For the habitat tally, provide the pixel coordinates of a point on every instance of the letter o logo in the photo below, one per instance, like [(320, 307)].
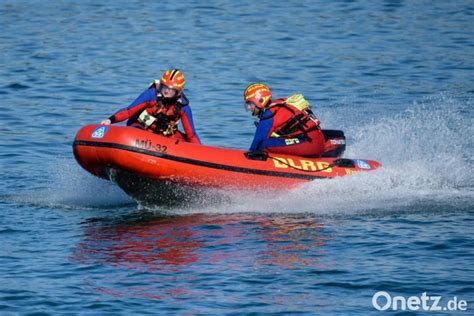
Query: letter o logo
[(387, 297)]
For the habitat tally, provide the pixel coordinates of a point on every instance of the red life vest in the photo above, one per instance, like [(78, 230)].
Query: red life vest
[(302, 120), (161, 119)]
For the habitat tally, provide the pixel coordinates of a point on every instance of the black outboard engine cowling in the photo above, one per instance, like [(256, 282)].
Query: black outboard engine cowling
[(335, 143)]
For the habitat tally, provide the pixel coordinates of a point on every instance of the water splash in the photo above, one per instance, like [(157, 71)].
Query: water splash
[(72, 187), (426, 152)]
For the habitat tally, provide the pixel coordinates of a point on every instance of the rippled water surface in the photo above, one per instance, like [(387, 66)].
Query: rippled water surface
[(396, 76)]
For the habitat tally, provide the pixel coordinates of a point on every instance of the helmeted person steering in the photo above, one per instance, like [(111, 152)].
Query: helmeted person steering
[(286, 125)]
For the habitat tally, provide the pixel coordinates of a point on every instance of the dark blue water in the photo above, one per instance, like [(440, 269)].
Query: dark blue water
[(396, 76)]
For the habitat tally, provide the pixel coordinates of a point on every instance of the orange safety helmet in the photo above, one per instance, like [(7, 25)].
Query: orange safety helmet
[(173, 79), (258, 94)]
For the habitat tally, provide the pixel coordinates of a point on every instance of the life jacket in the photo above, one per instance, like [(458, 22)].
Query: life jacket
[(302, 121), (162, 118)]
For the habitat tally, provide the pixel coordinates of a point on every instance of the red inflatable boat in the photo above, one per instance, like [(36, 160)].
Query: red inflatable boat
[(155, 168)]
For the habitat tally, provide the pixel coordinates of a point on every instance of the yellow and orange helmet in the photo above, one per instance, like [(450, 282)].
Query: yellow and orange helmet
[(257, 95), (173, 79)]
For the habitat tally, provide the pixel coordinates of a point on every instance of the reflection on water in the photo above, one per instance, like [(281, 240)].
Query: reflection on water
[(139, 243), (290, 240), (150, 242), (158, 257)]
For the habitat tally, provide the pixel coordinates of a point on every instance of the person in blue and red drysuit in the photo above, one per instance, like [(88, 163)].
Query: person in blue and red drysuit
[(159, 109), (286, 126)]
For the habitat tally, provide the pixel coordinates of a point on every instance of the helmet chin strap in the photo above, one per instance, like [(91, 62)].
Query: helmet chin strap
[(257, 112)]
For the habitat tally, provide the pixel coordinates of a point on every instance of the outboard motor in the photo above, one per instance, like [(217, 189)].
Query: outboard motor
[(335, 143)]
